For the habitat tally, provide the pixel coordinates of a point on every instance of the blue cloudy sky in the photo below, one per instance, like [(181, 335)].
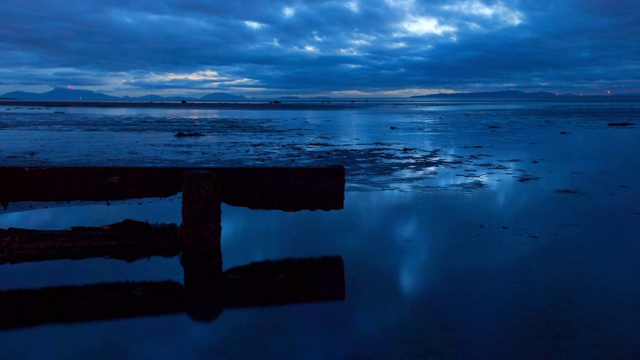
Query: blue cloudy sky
[(320, 47)]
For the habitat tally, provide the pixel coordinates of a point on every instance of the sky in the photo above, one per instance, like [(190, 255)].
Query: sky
[(347, 48)]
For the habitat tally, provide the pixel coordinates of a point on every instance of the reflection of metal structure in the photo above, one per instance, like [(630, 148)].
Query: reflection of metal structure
[(258, 284), (208, 290)]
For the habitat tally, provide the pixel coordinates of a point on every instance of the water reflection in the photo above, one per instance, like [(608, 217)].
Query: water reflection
[(207, 290), (536, 258), (255, 285)]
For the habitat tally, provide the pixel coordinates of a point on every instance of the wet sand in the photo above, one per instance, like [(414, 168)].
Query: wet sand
[(468, 231)]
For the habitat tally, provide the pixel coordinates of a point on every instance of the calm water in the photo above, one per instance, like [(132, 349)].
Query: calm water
[(469, 230)]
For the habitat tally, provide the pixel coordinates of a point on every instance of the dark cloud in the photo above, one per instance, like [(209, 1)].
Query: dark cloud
[(307, 47)]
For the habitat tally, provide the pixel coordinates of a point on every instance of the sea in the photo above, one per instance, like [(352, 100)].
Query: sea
[(470, 229)]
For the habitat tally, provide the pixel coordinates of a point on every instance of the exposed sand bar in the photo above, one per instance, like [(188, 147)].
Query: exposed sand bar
[(128, 240)]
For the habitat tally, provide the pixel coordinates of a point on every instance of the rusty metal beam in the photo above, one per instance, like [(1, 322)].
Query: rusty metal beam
[(289, 189)]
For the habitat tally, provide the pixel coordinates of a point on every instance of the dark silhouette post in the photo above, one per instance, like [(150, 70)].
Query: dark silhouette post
[(201, 230)]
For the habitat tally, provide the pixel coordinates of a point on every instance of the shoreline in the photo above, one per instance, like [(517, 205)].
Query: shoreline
[(334, 104), (264, 105)]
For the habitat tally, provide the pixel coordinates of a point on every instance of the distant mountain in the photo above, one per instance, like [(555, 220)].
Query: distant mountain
[(18, 95), (290, 97), (61, 94), (222, 96), (508, 94), (153, 97), (144, 98)]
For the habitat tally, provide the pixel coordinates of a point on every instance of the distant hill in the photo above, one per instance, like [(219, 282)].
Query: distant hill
[(61, 94), (222, 96), (18, 95), (508, 94), (153, 97), (315, 98)]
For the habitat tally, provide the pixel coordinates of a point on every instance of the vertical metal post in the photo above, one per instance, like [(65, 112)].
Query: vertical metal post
[(201, 230)]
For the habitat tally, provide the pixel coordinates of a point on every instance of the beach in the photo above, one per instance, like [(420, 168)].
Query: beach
[(469, 229)]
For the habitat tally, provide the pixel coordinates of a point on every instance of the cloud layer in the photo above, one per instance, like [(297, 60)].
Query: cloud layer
[(372, 47)]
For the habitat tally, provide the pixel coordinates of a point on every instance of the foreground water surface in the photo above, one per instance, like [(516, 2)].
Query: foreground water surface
[(469, 230)]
